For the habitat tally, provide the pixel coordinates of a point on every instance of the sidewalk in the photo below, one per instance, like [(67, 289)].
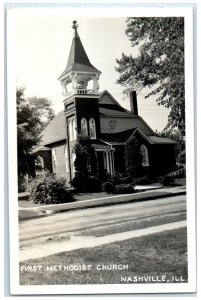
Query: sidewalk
[(44, 210), (81, 242)]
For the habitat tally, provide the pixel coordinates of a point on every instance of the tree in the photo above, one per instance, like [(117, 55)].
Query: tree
[(86, 161), (33, 114), (133, 157), (176, 136), (159, 65), (86, 179)]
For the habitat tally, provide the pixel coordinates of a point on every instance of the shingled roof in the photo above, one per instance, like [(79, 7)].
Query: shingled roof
[(78, 60), (115, 139), (55, 130)]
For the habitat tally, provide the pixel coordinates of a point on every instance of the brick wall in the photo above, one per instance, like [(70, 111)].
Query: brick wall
[(60, 160)]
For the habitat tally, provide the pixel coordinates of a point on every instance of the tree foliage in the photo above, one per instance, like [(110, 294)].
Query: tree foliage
[(33, 114), (176, 136), (86, 161), (47, 189), (159, 65)]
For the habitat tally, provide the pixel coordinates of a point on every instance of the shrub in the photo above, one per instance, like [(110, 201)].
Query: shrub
[(124, 189), (108, 187), (22, 185), (182, 157), (115, 179), (142, 180), (117, 184), (49, 190), (168, 181), (86, 184), (126, 180)]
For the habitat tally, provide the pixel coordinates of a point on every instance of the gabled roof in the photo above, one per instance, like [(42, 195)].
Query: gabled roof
[(110, 99), (78, 60), (153, 139), (115, 139), (113, 112), (55, 130), (40, 148), (109, 106), (160, 140)]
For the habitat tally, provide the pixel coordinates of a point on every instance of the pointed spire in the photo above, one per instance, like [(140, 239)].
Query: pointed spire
[(75, 26), (78, 59)]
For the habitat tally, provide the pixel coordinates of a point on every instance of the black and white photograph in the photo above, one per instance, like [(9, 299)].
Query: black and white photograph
[(101, 150)]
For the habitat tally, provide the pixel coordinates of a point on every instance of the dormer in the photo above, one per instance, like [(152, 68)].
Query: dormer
[(80, 77)]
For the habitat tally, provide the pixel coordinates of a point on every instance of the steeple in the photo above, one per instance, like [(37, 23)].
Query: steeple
[(79, 70)]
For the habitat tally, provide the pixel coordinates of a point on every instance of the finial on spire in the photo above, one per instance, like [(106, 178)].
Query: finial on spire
[(75, 25)]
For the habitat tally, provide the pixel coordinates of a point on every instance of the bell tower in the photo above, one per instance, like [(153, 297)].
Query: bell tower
[(80, 88), (80, 77)]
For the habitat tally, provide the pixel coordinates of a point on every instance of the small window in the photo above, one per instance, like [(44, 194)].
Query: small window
[(39, 165), (92, 128), (66, 157), (73, 130), (54, 165), (145, 156), (84, 129), (70, 130)]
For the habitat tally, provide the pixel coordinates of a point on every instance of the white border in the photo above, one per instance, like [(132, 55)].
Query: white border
[(13, 209)]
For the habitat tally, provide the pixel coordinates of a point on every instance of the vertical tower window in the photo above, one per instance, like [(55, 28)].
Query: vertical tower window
[(84, 129), (145, 156), (66, 157), (70, 130), (73, 130), (54, 165), (92, 128)]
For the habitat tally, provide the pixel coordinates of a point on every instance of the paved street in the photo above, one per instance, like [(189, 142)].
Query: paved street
[(88, 223)]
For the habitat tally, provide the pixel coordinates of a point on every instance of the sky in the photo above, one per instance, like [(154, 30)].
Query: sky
[(43, 41)]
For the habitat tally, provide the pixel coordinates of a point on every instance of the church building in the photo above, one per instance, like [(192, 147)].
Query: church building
[(103, 119)]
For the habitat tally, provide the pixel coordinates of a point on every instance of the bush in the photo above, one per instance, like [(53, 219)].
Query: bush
[(115, 179), (182, 157), (168, 181), (49, 190), (124, 189), (126, 180), (142, 180), (108, 187), (86, 184), (22, 185)]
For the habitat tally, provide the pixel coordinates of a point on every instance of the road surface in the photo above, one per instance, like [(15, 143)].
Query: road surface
[(101, 221)]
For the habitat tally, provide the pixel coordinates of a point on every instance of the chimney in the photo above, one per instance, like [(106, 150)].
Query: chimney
[(133, 103)]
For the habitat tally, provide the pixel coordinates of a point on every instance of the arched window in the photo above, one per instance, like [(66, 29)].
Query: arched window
[(84, 129), (70, 130), (145, 156), (92, 128), (73, 130), (66, 157), (54, 165), (39, 165)]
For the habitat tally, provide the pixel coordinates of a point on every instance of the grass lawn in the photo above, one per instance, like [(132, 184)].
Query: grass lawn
[(77, 197), (137, 223), (162, 254)]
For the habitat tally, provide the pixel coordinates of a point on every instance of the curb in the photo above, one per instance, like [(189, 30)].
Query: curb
[(115, 201)]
